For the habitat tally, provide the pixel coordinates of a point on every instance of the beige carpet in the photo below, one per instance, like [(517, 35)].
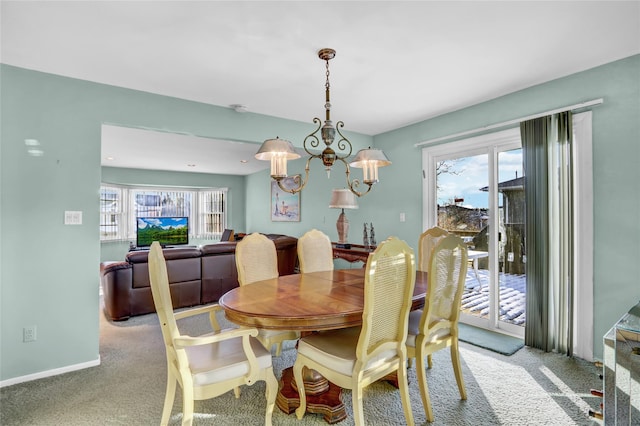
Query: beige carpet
[(527, 388)]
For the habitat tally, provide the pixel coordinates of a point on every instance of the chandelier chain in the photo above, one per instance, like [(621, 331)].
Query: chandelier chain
[(327, 83)]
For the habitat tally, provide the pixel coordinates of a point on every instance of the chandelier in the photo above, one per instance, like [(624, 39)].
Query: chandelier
[(279, 151)]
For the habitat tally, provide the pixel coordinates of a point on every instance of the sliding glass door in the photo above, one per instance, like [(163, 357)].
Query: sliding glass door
[(480, 180), (475, 189)]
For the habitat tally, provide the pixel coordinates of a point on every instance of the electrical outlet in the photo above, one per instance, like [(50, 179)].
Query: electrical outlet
[(510, 257), (29, 334)]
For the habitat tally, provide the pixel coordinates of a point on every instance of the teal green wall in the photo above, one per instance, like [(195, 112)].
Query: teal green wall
[(49, 275), (65, 115), (314, 201), (616, 155)]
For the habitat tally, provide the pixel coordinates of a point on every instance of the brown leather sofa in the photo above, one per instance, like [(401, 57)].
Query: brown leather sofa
[(197, 275)]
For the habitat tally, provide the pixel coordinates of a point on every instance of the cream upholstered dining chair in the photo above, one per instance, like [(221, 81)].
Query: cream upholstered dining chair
[(435, 327), (355, 357), (427, 241), (315, 252), (209, 365), (257, 260)]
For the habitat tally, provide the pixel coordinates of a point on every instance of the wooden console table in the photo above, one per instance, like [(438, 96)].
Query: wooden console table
[(357, 253)]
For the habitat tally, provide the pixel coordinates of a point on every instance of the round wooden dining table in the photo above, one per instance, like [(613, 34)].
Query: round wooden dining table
[(307, 303)]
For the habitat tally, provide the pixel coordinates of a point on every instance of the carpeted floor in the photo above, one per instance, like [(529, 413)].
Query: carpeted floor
[(527, 388)]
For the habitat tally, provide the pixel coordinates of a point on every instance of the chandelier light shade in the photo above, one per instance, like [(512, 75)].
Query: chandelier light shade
[(343, 199), (279, 151), (369, 160)]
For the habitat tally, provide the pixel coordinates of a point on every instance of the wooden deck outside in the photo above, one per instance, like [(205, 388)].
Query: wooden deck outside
[(475, 299)]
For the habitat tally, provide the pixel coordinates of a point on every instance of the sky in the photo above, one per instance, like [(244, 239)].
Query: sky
[(472, 173)]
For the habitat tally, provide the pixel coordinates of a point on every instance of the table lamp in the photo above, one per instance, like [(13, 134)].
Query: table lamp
[(343, 199)]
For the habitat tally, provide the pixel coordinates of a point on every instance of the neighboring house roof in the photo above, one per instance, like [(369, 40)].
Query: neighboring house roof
[(463, 209), (472, 219), (516, 184)]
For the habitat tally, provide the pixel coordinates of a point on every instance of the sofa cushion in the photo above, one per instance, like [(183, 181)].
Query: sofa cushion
[(142, 256), (179, 270), (183, 264), (218, 248), (219, 273)]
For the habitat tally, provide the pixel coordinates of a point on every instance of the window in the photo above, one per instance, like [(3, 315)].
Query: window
[(121, 205), (212, 219), (111, 212)]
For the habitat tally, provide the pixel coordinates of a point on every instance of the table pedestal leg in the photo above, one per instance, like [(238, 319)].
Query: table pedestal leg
[(323, 397), (392, 379)]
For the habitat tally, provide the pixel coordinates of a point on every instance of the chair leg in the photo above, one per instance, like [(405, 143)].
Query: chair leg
[(356, 402), (236, 392), (278, 348), (429, 361), (424, 389), (457, 369), (272, 391), (187, 404), (168, 399), (403, 383), (297, 375)]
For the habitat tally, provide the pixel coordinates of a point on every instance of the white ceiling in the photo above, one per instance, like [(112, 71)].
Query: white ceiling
[(156, 150), (397, 62)]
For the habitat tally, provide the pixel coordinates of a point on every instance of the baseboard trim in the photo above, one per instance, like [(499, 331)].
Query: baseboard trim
[(50, 373)]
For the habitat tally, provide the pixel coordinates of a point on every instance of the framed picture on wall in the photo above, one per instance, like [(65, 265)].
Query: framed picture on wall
[(285, 207)]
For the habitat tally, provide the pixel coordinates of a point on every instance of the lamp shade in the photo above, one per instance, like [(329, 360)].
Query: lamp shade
[(276, 147), (343, 199), (370, 155), (278, 151), (369, 160)]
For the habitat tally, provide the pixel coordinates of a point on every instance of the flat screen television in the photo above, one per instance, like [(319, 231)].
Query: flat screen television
[(168, 231)]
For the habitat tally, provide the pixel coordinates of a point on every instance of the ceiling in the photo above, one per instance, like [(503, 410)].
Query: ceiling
[(157, 150), (397, 62)]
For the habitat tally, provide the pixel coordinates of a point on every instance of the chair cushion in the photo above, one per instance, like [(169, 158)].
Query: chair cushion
[(337, 350), (414, 322), (414, 330), (223, 360)]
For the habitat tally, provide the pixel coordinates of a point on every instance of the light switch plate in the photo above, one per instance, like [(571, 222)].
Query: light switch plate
[(72, 217)]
